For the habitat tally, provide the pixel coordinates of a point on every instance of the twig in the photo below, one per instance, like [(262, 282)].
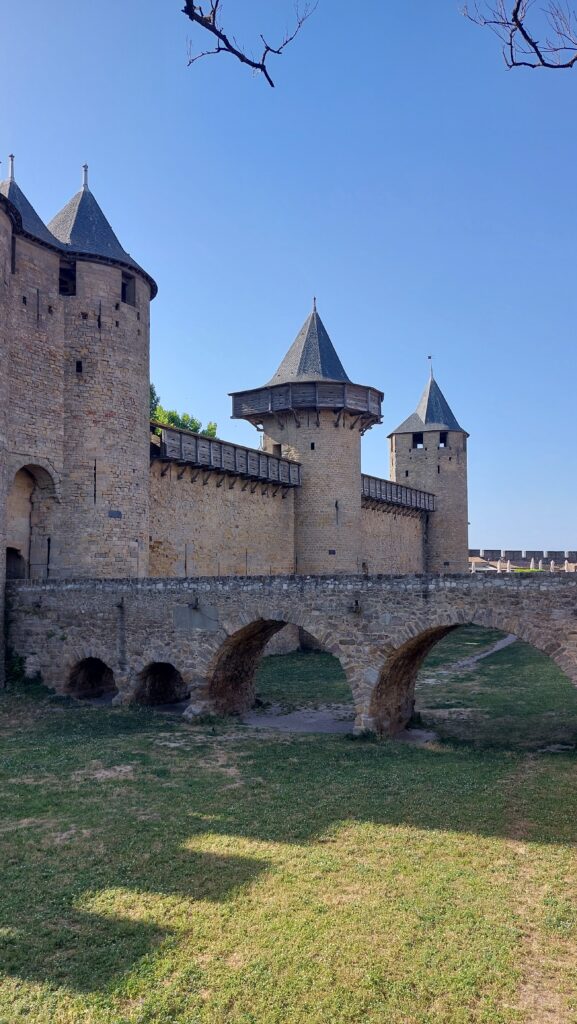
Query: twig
[(208, 19), (521, 45)]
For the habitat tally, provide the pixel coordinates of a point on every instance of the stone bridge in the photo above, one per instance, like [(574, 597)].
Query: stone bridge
[(201, 639)]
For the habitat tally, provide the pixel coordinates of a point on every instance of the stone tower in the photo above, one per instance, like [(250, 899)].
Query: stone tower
[(105, 301), (311, 412), (74, 341), (429, 451)]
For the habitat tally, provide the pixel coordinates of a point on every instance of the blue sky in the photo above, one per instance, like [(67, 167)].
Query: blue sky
[(398, 171)]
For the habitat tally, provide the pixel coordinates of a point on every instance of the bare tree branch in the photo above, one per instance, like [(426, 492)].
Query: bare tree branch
[(518, 27), (207, 16)]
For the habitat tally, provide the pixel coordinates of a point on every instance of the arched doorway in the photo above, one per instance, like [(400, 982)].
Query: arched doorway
[(30, 513), (160, 683), (89, 679)]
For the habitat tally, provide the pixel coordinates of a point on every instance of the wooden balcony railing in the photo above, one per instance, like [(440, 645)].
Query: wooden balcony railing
[(209, 453), (395, 494)]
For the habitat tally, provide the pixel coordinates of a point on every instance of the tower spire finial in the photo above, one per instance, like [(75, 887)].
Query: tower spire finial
[(430, 358), (11, 167), (84, 175), (314, 303)]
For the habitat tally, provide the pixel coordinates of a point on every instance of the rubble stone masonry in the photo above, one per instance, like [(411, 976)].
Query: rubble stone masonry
[(213, 631)]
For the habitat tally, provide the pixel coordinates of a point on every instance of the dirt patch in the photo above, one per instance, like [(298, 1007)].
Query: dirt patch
[(13, 826), (32, 780), (330, 718), (72, 833), (219, 761), (97, 771)]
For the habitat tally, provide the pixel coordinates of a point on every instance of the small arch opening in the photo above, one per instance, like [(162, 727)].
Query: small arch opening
[(89, 679), (160, 683)]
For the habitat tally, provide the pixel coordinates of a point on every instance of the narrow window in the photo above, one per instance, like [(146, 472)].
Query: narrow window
[(67, 278), (128, 289), (312, 446), (443, 439), (79, 366), (418, 441), (24, 300), (277, 451), (406, 472)]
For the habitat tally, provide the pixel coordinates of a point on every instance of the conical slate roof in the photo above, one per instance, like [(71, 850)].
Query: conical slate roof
[(311, 356), (30, 220), (82, 225), (432, 413)]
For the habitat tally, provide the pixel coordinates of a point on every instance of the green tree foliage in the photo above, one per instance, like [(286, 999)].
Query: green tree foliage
[(154, 400), (183, 421)]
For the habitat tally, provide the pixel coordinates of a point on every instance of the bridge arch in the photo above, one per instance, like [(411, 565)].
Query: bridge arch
[(159, 682), (231, 672), (90, 678), (392, 700)]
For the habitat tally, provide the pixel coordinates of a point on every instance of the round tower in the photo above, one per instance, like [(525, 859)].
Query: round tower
[(105, 297), (429, 451), (311, 412)]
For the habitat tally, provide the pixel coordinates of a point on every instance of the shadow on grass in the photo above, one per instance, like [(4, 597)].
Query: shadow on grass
[(45, 937), (80, 913)]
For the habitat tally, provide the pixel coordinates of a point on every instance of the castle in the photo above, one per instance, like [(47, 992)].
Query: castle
[(87, 490)]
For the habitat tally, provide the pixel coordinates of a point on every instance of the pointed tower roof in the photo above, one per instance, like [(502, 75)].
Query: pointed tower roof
[(432, 413), (82, 225), (311, 376), (82, 228), (31, 222), (312, 355)]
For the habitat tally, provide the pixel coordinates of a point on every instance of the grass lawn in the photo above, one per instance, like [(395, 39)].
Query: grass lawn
[(157, 872)]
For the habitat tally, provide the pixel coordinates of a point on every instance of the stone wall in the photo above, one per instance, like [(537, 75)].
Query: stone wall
[(392, 542), (233, 527), (213, 631)]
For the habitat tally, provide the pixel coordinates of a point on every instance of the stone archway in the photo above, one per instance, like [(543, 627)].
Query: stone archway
[(30, 523), (392, 699), (89, 679), (231, 674), (160, 682)]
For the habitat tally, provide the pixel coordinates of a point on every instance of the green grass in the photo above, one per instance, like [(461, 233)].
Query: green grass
[(515, 699), (302, 680), (154, 872)]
